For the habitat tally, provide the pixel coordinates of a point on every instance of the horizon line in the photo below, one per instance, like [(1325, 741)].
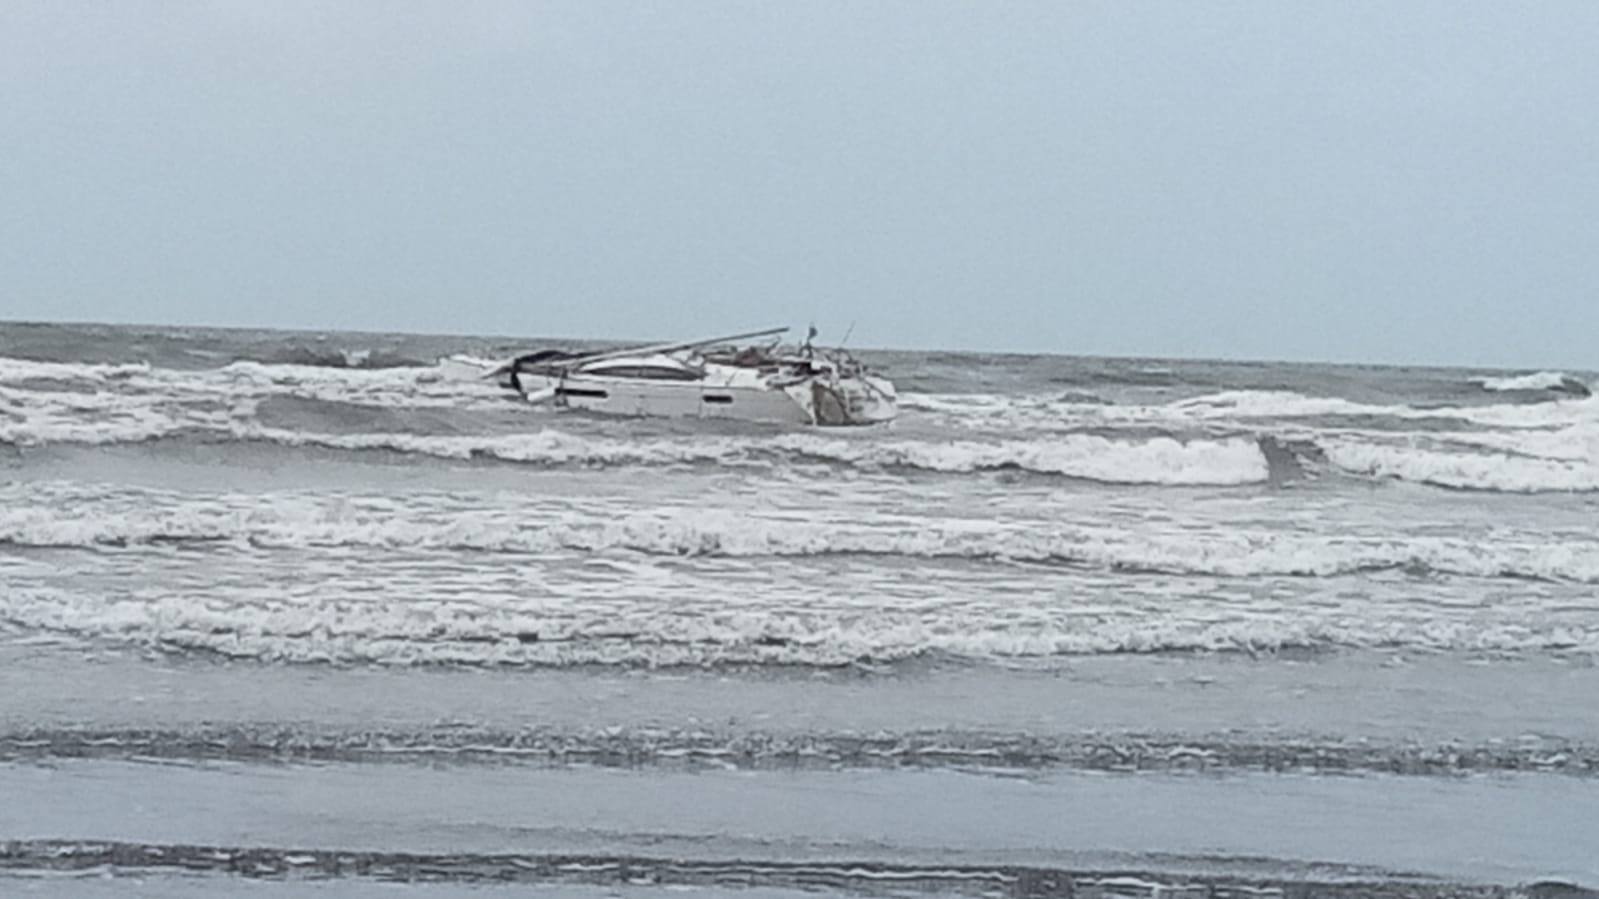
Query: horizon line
[(1239, 360)]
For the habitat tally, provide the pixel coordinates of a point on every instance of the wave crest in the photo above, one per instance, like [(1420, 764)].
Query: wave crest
[(1556, 381), (308, 522), (417, 631)]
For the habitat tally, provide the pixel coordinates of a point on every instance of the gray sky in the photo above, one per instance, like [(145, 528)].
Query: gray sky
[(1388, 181)]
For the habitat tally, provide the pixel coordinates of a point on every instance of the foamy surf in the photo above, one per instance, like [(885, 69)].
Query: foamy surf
[(1576, 470), (499, 631), (68, 518), (1541, 380), (1535, 462)]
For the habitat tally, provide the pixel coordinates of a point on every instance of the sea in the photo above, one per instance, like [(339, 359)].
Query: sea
[(313, 614)]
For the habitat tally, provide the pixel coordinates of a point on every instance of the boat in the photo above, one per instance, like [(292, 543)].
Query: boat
[(711, 378)]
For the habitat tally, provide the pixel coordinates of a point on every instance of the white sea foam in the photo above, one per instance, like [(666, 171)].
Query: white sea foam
[(1251, 410), (1147, 460), (465, 367), (1158, 460), (416, 629), (1247, 406), (16, 370), (1575, 443), (1468, 470), (77, 518), (1540, 380), (1535, 447), (131, 403), (418, 387)]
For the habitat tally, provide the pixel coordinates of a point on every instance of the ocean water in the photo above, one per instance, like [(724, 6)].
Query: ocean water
[(308, 614)]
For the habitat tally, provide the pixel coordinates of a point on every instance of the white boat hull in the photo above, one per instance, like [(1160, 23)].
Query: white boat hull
[(809, 402), (612, 396)]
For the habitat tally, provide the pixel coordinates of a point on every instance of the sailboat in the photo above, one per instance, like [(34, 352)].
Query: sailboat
[(717, 377)]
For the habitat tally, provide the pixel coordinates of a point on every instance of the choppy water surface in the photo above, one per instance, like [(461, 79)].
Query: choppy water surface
[(304, 556)]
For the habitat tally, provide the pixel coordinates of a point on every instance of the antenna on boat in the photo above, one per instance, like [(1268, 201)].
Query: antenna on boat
[(847, 332)]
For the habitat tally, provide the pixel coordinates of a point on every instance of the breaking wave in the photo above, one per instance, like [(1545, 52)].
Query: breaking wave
[(1489, 471), (415, 631), (307, 522), (1531, 462), (1244, 409), (342, 357), (1161, 460), (500, 610), (1555, 381)]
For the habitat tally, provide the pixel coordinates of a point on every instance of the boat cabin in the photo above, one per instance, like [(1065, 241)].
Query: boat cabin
[(649, 368)]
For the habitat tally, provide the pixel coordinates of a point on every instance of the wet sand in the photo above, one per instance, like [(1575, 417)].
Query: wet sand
[(1357, 772)]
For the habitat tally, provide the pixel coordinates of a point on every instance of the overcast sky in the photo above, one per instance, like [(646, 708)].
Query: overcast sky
[(1386, 181)]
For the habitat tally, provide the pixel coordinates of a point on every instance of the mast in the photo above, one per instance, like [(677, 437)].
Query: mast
[(652, 349), (684, 345)]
